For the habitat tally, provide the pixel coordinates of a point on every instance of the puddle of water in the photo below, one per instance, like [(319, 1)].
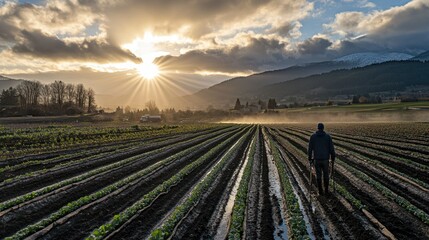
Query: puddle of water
[(280, 230), (223, 227), (304, 212)]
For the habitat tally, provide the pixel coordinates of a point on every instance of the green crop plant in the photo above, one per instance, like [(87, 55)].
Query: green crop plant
[(180, 211), (97, 195), (147, 199), (295, 221), (239, 208)]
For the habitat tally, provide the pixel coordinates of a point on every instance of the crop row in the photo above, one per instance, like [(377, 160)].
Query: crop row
[(111, 189), (383, 190), (164, 144), (41, 207), (398, 165), (424, 217), (295, 219), (397, 132), (239, 208), (19, 143), (148, 198), (168, 226), (406, 152), (37, 178), (297, 157), (298, 141)]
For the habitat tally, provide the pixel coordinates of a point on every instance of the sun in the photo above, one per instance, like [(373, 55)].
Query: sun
[(148, 70)]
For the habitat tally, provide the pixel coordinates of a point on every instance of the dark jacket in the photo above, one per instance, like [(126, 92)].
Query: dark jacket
[(322, 146)]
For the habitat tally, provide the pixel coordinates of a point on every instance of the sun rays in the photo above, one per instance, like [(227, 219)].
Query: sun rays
[(148, 70)]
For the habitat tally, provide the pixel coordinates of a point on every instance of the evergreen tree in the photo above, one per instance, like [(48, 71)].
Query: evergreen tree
[(237, 105), (272, 104), (9, 97)]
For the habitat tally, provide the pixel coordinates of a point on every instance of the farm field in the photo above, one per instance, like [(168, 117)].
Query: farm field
[(212, 181)]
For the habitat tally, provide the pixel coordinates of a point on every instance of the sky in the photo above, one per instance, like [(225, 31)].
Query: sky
[(133, 51)]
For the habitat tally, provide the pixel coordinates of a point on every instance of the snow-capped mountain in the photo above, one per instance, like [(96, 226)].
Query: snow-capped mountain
[(368, 58), (422, 57)]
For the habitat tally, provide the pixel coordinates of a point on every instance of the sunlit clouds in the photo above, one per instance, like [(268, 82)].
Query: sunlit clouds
[(188, 45)]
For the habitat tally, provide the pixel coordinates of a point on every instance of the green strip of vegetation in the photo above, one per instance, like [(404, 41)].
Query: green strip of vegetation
[(238, 211), (32, 195), (376, 162), (167, 228), (347, 195), (20, 142), (424, 217), (72, 206), (43, 171), (296, 219)]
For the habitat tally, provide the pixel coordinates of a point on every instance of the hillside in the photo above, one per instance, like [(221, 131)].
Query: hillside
[(422, 57), (374, 78), (227, 91), (368, 58), (6, 83)]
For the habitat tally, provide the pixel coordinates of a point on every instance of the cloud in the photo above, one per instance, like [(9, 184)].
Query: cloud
[(32, 30), (402, 28), (58, 29), (362, 3), (41, 45), (257, 55), (314, 46), (198, 20)]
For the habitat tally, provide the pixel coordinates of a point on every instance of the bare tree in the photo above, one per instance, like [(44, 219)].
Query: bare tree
[(91, 100), (45, 93), (22, 95), (80, 96), (70, 93), (29, 93), (152, 108), (58, 89)]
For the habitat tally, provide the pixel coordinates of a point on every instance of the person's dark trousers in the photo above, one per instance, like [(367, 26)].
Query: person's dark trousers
[(322, 167)]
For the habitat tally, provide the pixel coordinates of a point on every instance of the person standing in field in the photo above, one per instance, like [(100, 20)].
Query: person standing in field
[(320, 149)]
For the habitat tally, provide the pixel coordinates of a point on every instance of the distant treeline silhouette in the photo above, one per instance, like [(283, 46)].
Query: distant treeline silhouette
[(37, 99)]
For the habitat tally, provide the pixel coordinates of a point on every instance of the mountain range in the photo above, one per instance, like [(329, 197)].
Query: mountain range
[(381, 77), (258, 86)]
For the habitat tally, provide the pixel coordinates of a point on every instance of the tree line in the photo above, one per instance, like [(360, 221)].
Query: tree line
[(38, 99)]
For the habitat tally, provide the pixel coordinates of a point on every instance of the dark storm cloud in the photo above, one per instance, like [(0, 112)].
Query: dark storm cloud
[(259, 54), (20, 27), (315, 45), (41, 45)]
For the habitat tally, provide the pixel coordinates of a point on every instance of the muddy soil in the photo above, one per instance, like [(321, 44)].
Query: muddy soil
[(414, 195), (259, 221), (143, 224), (341, 221), (385, 211), (30, 184), (394, 217), (411, 171), (86, 148), (82, 224), (12, 221), (195, 225)]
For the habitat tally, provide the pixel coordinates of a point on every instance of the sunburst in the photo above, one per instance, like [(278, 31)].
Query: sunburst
[(148, 70)]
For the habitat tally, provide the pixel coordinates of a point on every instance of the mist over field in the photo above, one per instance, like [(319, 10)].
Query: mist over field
[(351, 117)]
